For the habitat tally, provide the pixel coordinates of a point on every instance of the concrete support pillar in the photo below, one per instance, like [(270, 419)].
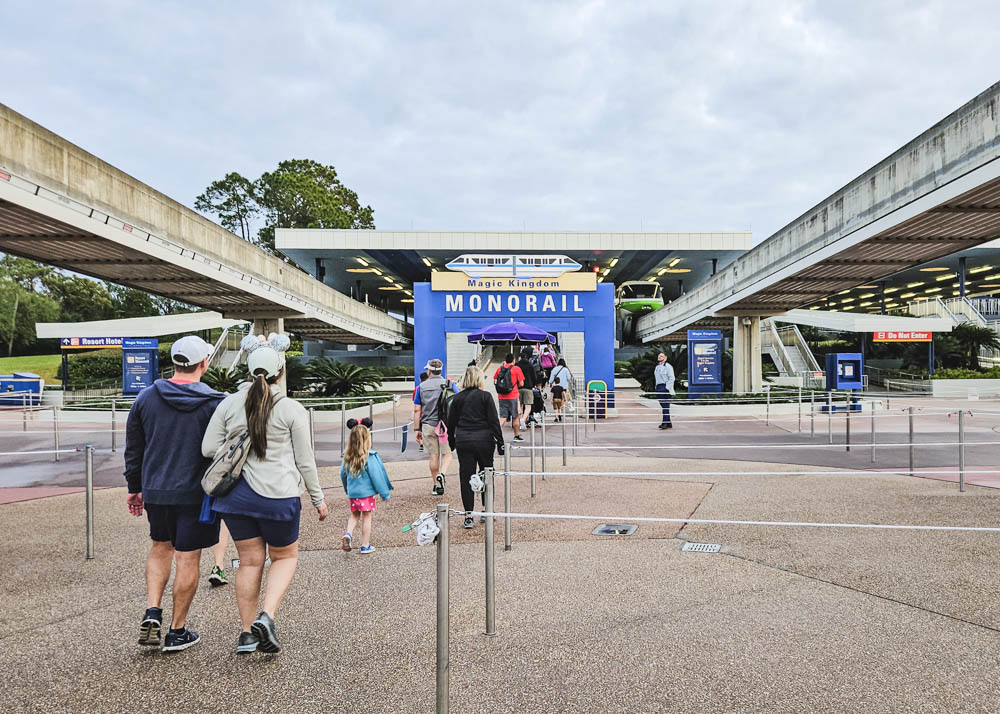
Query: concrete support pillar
[(747, 375)]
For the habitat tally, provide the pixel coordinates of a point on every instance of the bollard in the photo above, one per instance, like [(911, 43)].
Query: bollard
[(506, 499), (532, 478), (961, 450), (114, 426), (343, 426), (491, 626), (812, 413), (576, 427), (847, 425), (443, 611), (55, 429), (562, 420), (873, 431), (910, 410), (89, 499), (541, 416), (800, 406), (829, 417), (312, 429)]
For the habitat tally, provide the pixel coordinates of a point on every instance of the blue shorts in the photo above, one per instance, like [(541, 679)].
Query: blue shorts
[(179, 524), (275, 533), (509, 408)]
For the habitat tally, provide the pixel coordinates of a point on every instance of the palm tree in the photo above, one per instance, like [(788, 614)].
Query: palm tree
[(640, 367), (972, 338), (225, 380), (337, 379)]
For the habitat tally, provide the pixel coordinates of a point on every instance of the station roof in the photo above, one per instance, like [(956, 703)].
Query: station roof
[(137, 326), (678, 260)]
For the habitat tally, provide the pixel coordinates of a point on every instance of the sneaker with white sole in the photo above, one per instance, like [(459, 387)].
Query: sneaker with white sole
[(177, 640), (263, 627), (218, 577), (438, 489), (149, 628), (366, 549), (346, 542), (469, 522), (247, 643)]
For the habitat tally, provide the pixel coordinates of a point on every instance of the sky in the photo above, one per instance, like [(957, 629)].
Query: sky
[(668, 116)]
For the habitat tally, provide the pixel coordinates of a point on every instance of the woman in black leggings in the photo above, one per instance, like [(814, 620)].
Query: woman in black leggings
[(473, 431)]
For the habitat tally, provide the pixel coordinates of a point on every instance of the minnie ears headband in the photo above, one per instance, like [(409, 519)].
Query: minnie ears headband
[(277, 342), (366, 422)]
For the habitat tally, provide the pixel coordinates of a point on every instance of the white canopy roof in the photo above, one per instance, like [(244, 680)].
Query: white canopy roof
[(137, 326), (860, 322)]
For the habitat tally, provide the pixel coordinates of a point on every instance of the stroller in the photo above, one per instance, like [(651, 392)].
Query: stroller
[(537, 404)]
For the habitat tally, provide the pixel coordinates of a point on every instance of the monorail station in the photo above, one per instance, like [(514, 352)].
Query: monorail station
[(453, 284)]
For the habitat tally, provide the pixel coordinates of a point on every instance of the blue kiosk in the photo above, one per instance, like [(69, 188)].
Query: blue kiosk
[(705, 349), (844, 372), (140, 364)]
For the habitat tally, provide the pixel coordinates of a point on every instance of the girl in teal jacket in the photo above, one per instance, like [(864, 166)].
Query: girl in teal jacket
[(362, 474)]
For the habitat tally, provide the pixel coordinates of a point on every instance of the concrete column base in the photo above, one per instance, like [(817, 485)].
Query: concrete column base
[(747, 374)]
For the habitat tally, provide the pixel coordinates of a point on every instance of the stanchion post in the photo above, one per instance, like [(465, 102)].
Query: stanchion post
[(114, 425), (812, 412), (395, 401), (24, 411), (532, 477), (312, 429), (343, 426), (562, 420), (371, 409), (847, 424), (829, 417), (491, 625), (873, 431), (541, 417), (767, 408), (443, 612), (800, 403), (576, 426), (89, 497), (910, 410), (961, 450), (506, 498), (55, 429)]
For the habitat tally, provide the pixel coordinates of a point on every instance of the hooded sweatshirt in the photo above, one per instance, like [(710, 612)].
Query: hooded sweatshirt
[(163, 441)]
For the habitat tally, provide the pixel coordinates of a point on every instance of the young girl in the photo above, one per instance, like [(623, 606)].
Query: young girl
[(363, 475)]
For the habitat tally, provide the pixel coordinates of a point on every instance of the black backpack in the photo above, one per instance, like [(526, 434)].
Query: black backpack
[(444, 401), (504, 382), (536, 365)]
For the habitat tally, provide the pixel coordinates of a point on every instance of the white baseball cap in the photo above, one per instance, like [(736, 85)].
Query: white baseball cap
[(265, 358), (189, 351)]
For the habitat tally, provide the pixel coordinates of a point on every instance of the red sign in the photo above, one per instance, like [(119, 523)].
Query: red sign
[(902, 336)]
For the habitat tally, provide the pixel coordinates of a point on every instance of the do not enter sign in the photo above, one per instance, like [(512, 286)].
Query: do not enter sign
[(902, 336)]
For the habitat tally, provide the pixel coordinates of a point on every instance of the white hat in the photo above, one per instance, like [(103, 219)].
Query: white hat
[(189, 351), (265, 358)]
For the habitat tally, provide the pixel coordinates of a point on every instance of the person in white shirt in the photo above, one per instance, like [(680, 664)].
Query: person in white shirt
[(663, 378)]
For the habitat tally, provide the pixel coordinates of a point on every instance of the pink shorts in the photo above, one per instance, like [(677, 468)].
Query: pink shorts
[(361, 505)]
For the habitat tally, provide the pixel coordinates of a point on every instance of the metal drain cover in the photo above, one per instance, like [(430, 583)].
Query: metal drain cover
[(614, 529), (701, 547)]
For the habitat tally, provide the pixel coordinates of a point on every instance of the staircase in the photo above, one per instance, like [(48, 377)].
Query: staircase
[(787, 349), (226, 353), (960, 310)]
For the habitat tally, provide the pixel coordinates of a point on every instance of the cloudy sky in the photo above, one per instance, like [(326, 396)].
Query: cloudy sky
[(663, 115)]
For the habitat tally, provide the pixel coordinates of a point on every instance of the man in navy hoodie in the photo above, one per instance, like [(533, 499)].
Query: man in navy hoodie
[(163, 468)]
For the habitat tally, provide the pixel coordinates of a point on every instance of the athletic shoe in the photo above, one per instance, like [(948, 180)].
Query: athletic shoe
[(365, 549), (149, 628), (468, 523), (218, 577), (345, 542), (177, 640), (247, 643), (421, 446), (266, 632), (438, 490), (518, 438), (482, 519)]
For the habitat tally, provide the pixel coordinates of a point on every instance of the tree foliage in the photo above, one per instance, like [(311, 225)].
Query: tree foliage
[(337, 379), (971, 338), (225, 380), (299, 193)]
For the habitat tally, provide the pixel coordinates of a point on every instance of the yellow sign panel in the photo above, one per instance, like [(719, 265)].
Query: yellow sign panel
[(577, 282)]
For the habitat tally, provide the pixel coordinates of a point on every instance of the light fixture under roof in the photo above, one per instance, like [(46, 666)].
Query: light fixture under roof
[(866, 295), (906, 295), (867, 287), (376, 271), (913, 285), (389, 287), (814, 307), (605, 271), (921, 298), (678, 270), (387, 278), (891, 290), (991, 285), (613, 263), (865, 304), (933, 270), (362, 261), (933, 290), (995, 276), (843, 292), (407, 300), (661, 271), (359, 270), (673, 262), (980, 269), (426, 262), (950, 276)]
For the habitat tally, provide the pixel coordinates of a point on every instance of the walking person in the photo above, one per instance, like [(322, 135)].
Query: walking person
[(163, 469), (263, 510), (548, 362), (428, 424), (362, 474), (663, 378), (558, 392), (218, 577), (565, 377), (474, 431), (526, 391), (508, 381)]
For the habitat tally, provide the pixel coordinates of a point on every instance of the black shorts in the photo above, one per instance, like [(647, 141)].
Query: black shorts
[(179, 524), (275, 533)]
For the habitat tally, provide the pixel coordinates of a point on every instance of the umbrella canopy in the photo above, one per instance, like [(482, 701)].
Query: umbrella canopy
[(511, 332)]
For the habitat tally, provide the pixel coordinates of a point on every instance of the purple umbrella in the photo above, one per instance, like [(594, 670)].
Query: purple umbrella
[(511, 332)]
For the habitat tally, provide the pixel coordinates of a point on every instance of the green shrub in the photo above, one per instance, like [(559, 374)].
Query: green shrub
[(964, 373), (225, 380), (336, 379)]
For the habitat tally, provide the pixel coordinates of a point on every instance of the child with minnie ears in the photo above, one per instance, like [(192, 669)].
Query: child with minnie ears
[(362, 474)]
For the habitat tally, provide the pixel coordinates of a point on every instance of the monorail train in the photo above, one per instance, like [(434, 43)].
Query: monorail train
[(477, 265), (639, 296)]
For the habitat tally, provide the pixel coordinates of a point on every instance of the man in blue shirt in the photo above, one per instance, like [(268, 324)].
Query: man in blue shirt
[(663, 378), (163, 468)]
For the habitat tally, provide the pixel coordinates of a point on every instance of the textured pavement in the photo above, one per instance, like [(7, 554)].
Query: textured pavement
[(784, 619)]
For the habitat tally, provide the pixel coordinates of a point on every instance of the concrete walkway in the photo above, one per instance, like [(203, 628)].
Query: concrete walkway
[(784, 619)]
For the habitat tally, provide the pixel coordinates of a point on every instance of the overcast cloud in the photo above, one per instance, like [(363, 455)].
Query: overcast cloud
[(546, 115)]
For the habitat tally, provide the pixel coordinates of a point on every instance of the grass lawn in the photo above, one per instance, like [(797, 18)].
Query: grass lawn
[(45, 366)]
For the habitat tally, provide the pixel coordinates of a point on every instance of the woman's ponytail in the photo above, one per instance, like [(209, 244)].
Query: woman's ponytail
[(258, 407)]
